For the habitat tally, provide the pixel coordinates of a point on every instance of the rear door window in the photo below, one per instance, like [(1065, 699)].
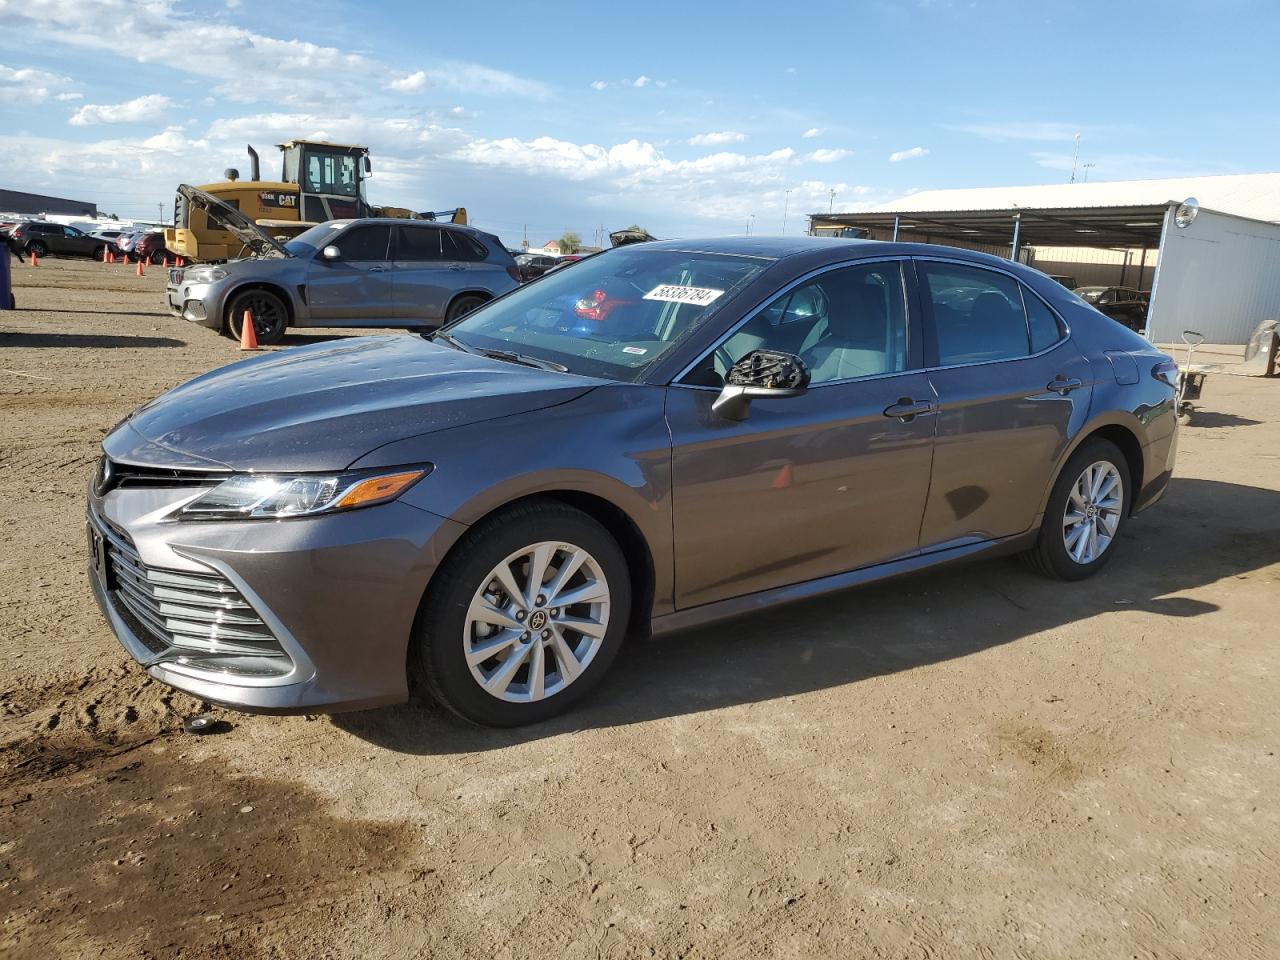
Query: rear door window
[(459, 246), (977, 315), (1041, 321), (419, 244)]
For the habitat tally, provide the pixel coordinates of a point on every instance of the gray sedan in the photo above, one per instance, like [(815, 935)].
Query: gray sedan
[(666, 435), (346, 273)]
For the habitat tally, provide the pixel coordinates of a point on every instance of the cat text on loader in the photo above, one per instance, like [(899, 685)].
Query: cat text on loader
[(319, 181)]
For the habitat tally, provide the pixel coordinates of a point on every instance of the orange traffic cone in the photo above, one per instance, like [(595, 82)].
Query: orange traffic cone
[(140, 273), (125, 261), (109, 258), (165, 263), (248, 336), (784, 478), (35, 258)]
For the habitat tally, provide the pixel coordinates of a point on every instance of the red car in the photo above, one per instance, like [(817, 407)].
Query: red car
[(150, 247)]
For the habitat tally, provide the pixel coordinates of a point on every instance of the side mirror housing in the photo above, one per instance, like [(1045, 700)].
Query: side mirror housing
[(760, 375), (331, 252)]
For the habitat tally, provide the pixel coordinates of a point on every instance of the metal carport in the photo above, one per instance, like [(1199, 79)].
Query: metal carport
[(1218, 273)]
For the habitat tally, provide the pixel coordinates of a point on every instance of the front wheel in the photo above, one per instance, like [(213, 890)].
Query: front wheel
[(1086, 512), (270, 317), (524, 616)]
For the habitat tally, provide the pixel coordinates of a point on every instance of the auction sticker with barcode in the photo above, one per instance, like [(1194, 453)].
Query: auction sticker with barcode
[(678, 293)]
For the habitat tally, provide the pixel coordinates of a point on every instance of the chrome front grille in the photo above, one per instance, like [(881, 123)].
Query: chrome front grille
[(199, 613)]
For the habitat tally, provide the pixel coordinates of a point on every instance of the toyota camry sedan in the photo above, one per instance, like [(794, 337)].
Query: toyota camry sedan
[(666, 435)]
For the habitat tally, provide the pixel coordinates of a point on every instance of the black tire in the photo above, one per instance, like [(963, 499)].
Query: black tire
[(1050, 556), (38, 248), (437, 657), (100, 254), (157, 257), (270, 316), (463, 305)]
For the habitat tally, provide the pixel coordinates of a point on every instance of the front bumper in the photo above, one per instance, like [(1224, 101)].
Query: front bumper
[(195, 302), (338, 592)]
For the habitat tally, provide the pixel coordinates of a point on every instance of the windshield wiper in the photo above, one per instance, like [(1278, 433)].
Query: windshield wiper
[(452, 341), (512, 357)]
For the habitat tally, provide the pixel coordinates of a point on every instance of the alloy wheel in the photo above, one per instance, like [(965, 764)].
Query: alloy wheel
[(536, 622), (1092, 514)]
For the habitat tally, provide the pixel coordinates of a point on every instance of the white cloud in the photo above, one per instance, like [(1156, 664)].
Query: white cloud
[(140, 110), (716, 139), (813, 132), (410, 84), (28, 85), (599, 84), (910, 154), (642, 81), (790, 70), (286, 72), (1016, 130), (825, 155)]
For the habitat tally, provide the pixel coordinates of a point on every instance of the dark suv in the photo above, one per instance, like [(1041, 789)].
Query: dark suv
[(43, 238), (1119, 303)]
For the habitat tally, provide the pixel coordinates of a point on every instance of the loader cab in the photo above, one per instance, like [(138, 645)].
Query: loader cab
[(330, 178)]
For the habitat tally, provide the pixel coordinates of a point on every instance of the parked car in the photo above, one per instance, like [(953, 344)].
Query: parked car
[(1119, 303), (343, 273), (42, 238), (663, 436), (150, 247), (126, 241), (1067, 281), (534, 265)]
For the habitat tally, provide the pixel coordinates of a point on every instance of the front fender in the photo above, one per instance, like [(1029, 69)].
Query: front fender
[(611, 443)]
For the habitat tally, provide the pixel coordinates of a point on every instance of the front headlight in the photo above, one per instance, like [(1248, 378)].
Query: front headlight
[(205, 275), (254, 497)]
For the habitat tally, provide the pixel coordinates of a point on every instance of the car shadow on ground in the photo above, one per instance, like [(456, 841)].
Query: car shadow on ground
[(1202, 532), (94, 340), (103, 313), (1209, 419)]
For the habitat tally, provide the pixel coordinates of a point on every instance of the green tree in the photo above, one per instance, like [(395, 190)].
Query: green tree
[(636, 228), (570, 242)]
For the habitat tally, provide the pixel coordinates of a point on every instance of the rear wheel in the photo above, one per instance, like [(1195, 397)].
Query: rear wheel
[(270, 316), (38, 248), (157, 257), (462, 306), (1087, 510), (100, 253), (524, 616)]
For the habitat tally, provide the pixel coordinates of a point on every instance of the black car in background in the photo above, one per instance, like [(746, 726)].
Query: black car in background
[(43, 238), (534, 265), (1125, 304)]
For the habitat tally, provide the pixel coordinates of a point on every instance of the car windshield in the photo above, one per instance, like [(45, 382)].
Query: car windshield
[(313, 239), (612, 315)]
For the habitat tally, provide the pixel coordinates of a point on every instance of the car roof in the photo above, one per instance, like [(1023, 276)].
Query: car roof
[(407, 221), (810, 252)]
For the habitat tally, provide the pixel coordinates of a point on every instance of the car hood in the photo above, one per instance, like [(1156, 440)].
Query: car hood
[(232, 220), (322, 407)]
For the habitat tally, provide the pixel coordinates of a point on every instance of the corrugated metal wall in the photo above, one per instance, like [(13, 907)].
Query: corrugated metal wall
[(1220, 276), (1093, 267)]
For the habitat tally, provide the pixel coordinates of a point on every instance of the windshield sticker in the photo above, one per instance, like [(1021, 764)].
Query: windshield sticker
[(638, 351), (677, 293)]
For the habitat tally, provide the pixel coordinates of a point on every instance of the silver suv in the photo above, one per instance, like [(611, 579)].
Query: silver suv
[(344, 273)]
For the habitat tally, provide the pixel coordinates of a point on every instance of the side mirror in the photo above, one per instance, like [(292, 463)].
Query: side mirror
[(368, 167), (760, 375), (331, 252)]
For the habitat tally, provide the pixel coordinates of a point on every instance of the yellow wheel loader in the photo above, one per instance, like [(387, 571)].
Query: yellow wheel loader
[(319, 181)]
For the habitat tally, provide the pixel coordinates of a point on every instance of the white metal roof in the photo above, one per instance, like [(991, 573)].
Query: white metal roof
[(1255, 195)]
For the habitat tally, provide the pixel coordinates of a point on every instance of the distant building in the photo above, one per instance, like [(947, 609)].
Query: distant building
[(35, 204), (552, 246)]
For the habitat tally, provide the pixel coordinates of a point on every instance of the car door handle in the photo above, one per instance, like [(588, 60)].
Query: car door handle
[(907, 409), (377, 268), (457, 266), (1064, 385)]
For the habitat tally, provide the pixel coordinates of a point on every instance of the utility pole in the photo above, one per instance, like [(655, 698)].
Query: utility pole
[(1085, 168), (160, 209), (1075, 159), (786, 206), (831, 200)]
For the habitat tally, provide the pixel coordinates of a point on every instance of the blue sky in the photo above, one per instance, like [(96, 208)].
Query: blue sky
[(687, 117)]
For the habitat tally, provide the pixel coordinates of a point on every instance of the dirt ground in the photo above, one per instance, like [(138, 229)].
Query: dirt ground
[(970, 763)]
